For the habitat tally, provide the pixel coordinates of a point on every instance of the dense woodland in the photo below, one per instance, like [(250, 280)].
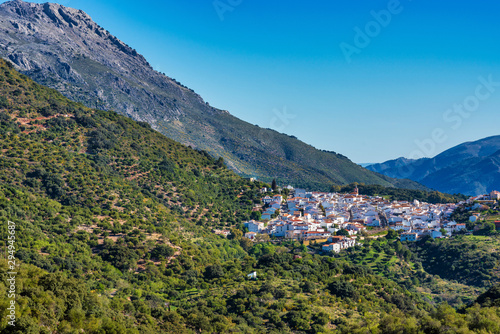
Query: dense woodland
[(398, 194), (114, 235)]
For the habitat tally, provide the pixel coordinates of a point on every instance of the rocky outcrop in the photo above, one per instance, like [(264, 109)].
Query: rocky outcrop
[(63, 48)]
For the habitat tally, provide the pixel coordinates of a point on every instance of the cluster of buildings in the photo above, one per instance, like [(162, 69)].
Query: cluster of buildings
[(316, 217), (483, 203), (305, 216), (487, 199), (415, 220), (336, 243), (492, 197)]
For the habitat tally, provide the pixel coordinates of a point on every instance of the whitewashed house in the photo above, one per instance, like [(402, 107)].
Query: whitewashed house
[(331, 248), (409, 236), (254, 226)]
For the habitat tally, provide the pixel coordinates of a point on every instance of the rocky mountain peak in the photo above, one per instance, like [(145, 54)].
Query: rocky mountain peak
[(65, 49), (26, 17)]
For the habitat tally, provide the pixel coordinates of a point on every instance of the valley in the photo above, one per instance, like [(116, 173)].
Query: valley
[(115, 233), (130, 205)]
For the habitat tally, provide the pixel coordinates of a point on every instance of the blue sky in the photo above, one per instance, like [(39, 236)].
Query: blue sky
[(389, 98)]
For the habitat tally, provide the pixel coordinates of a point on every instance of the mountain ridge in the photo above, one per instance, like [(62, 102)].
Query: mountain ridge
[(471, 168), (64, 49)]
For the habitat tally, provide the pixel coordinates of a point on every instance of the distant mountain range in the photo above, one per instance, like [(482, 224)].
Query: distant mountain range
[(471, 168), (64, 49)]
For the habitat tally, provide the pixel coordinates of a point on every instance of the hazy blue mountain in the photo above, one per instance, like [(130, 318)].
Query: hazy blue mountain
[(366, 164), (470, 168)]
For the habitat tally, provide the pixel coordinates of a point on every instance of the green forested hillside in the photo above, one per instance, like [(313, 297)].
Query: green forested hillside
[(113, 235), (452, 258), (396, 194), (109, 164)]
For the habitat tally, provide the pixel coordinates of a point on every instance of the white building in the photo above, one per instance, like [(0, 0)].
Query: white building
[(254, 226), (331, 248), (409, 237), (436, 234), (250, 235), (267, 200)]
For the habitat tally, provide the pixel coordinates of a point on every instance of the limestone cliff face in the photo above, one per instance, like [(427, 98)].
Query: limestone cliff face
[(63, 48)]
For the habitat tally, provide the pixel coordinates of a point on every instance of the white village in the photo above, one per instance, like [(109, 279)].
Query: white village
[(337, 220)]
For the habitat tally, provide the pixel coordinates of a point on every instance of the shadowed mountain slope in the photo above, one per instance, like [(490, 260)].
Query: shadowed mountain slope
[(470, 168), (64, 49)]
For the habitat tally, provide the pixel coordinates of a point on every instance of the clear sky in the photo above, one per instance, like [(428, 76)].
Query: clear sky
[(371, 95)]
